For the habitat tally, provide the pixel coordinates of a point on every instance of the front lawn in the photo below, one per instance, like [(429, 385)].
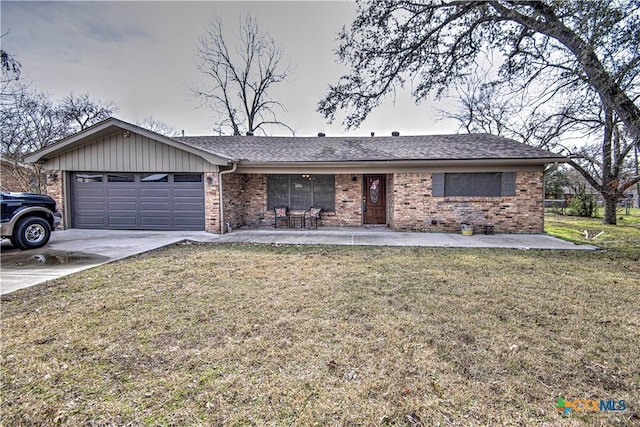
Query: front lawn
[(267, 335)]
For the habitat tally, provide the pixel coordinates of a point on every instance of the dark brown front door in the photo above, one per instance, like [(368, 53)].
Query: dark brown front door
[(375, 199)]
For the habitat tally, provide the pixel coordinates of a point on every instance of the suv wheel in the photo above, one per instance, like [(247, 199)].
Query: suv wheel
[(31, 233)]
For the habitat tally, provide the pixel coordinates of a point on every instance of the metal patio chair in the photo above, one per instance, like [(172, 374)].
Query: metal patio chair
[(281, 213)]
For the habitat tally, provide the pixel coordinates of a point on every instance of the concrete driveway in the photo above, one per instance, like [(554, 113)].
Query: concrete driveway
[(73, 250), (70, 251)]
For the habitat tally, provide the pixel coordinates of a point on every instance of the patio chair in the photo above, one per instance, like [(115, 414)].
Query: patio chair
[(313, 216), (281, 213)]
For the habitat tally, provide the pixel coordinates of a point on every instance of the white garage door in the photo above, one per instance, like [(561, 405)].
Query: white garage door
[(138, 201)]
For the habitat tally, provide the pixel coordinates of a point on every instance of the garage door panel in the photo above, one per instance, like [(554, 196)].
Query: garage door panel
[(188, 207), (123, 220), (97, 193), (122, 192), (155, 206), (91, 205), (187, 221), (188, 192), (138, 205), (164, 221), (90, 220), (155, 192), (115, 205)]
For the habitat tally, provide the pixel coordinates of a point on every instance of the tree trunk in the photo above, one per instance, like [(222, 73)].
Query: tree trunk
[(610, 202)]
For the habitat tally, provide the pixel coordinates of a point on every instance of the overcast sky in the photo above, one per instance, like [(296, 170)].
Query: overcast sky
[(141, 56)]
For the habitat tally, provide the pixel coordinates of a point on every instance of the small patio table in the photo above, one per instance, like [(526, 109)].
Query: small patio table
[(294, 216)]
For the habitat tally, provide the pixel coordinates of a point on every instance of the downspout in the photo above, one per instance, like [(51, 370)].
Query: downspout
[(233, 169)]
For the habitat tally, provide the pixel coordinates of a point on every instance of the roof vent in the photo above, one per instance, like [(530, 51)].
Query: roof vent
[(395, 133), (321, 134), (249, 133)]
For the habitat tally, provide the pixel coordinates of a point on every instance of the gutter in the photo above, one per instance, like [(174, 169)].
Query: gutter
[(233, 169)]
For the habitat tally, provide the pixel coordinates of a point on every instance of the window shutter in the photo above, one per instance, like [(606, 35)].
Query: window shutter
[(508, 183), (437, 185)]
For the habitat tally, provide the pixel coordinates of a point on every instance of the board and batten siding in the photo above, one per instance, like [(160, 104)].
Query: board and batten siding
[(135, 153)]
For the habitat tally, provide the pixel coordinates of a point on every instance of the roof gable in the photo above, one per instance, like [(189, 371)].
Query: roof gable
[(108, 127)]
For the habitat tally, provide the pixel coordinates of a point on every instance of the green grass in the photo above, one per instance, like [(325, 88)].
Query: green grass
[(267, 335), (623, 237)]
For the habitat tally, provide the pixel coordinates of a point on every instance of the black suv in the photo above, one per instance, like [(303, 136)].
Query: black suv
[(28, 218)]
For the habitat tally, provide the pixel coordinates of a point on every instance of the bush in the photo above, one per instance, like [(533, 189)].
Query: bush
[(583, 204)]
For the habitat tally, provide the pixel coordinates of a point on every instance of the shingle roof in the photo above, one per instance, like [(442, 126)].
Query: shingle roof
[(263, 149)]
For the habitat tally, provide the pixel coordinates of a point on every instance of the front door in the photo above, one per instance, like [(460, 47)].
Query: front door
[(375, 199)]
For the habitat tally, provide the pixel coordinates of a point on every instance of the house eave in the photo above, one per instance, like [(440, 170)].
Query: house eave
[(391, 166)]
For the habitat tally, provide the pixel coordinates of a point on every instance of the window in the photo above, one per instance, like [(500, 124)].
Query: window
[(187, 177), (300, 192), (483, 184), (155, 177), (121, 177), (80, 177)]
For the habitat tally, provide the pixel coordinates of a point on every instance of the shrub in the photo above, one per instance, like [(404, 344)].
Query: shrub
[(583, 204)]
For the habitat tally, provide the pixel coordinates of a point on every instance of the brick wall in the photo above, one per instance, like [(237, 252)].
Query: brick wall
[(391, 202), (414, 209), (211, 203), (410, 206), (348, 203), (245, 200), (55, 189)]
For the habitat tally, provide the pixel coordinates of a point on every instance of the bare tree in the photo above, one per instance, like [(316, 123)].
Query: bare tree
[(240, 80), (80, 112), (606, 165), (434, 44), (157, 126), (29, 121), (10, 69), (527, 117)]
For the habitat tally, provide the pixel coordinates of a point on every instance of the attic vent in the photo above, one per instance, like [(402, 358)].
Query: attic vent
[(321, 134), (249, 133), (395, 133)]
